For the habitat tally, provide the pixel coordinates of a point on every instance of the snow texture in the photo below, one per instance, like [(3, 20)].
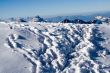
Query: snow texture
[(54, 48)]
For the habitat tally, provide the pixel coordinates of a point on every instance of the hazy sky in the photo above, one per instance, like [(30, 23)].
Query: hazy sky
[(16, 8)]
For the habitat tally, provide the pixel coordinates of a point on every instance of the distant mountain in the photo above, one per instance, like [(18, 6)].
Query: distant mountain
[(27, 19), (82, 17), (37, 19), (61, 18), (21, 20), (67, 21), (79, 21), (96, 18), (76, 21)]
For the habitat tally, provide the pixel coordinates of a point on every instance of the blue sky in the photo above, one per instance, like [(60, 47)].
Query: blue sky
[(21, 8)]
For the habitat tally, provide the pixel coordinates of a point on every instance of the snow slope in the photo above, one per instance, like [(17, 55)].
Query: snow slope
[(54, 48)]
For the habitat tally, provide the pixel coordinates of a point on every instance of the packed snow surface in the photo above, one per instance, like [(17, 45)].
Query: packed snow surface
[(54, 48)]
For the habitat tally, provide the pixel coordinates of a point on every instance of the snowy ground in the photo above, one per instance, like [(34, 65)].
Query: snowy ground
[(54, 48)]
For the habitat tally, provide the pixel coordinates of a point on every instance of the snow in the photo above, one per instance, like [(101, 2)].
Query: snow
[(54, 48), (10, 61)]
